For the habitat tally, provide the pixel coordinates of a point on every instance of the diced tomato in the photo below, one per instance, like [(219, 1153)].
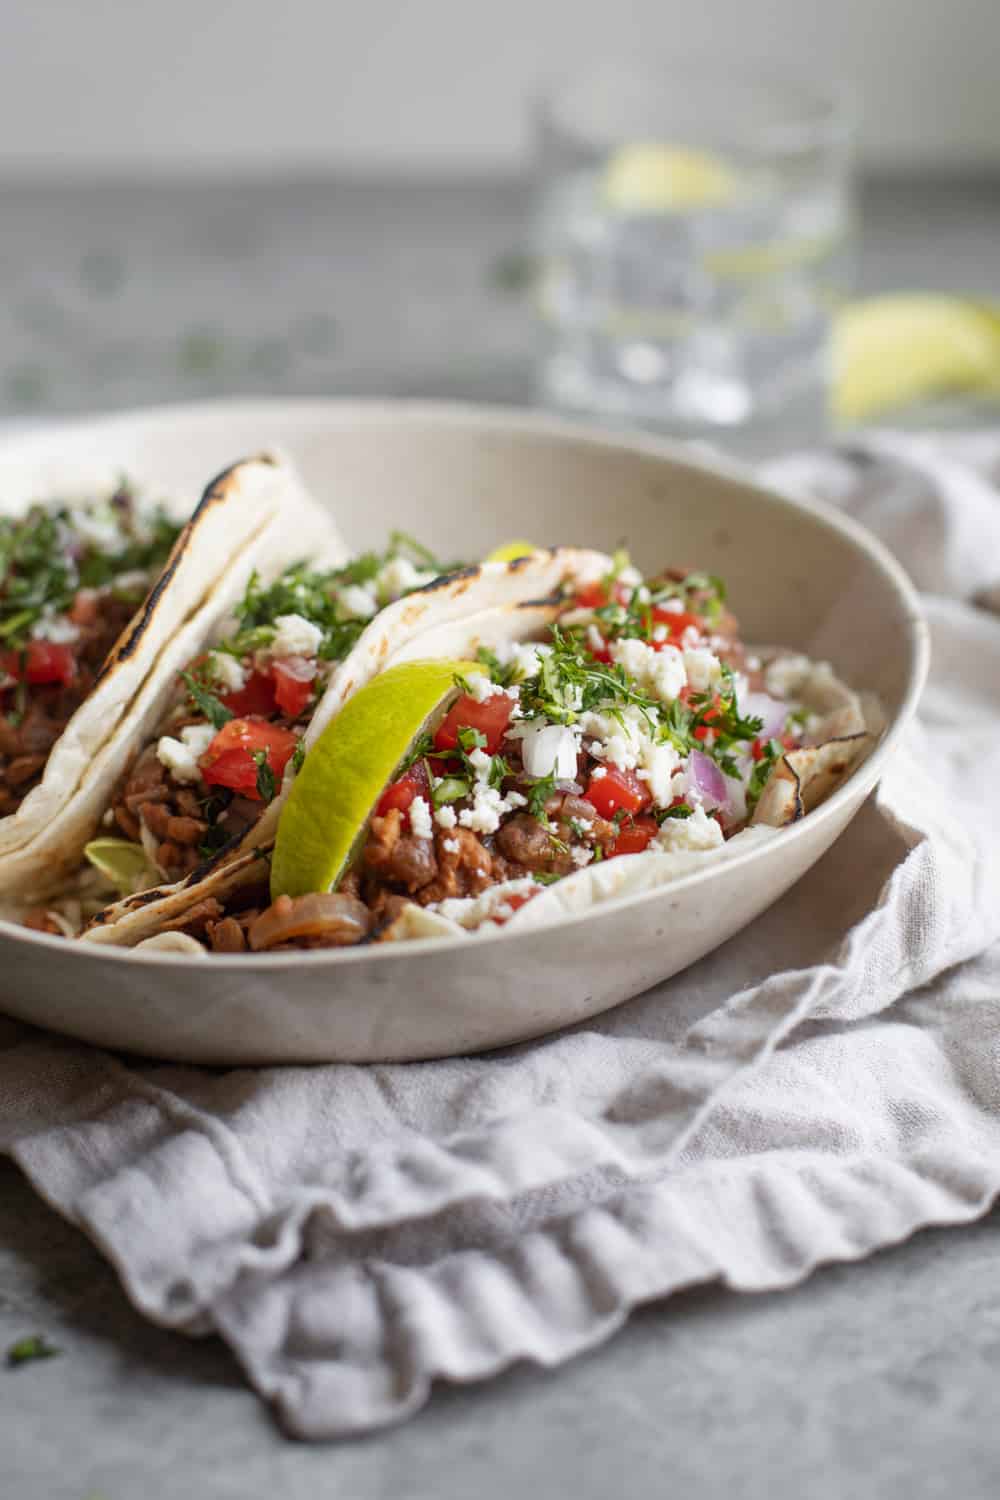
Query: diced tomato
[(490, 718), (787, 742), (293, 683), (41, 662), (676, 621), (591, 596), (600, 653), (633, 837), (400, 793), (617, 791), (229, 761), (255, 697)]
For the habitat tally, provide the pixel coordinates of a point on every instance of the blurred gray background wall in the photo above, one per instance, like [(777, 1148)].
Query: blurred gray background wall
[(261, 84)]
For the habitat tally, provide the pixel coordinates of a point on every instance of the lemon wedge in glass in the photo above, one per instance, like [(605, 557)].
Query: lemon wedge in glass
[(651, 177), (346, 770), (909, 346)]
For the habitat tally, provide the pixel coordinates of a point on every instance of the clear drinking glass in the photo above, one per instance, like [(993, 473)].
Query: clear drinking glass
[(693, 235)]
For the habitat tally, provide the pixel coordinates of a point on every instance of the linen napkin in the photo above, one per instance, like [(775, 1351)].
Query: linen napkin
[(820, 1087)]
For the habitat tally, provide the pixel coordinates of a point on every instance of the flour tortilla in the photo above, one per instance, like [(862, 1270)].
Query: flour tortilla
[(453, 616), (255, 515)]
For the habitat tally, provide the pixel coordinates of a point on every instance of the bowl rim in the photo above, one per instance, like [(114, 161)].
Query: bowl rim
[(514, 421)]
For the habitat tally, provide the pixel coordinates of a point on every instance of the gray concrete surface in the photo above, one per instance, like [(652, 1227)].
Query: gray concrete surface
[(870, 1382)]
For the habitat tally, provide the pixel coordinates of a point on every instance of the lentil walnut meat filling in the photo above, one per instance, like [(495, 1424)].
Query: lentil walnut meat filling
[(239, 710), (71, 578), (641, 724)]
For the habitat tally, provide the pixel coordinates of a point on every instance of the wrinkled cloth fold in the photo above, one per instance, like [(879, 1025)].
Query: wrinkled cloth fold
[(822, 1086)]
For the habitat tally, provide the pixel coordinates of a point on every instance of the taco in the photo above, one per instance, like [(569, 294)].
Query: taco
[(606, 740), (208, 774), (94, 596)]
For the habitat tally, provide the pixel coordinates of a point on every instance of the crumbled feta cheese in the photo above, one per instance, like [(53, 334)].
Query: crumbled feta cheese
[(634, 655), (481, 763), (526, 659), (658, 764), (512, 801), (480, 687), (181, 756), (703, 668), (619, 739), (697, 833), (548, 749), (630, 577), (581, 855), (598, 772), (472, 911), (295, 636), (398, 577), (595, 640), (451, 845), (672, 606), (659, 673), (659, 633), (226, 671), (484, 814), (668, 677), (420, 818), (55, 628), (357, 603), (446, 817)]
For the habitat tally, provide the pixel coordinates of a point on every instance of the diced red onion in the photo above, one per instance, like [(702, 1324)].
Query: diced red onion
[(706, 780), (772, 710)]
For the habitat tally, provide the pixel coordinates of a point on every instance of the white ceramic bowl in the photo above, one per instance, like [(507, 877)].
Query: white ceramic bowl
[(462, 479)]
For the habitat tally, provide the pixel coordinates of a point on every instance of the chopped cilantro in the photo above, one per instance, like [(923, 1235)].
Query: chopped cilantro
[(206, 702), (266, 782), (760, 775), (538, 791), (34, 1346), (545, 877), (298, 756), (502, 675), (681, 810), (471, 739)]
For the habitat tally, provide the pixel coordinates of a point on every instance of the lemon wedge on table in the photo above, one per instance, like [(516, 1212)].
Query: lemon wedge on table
[(908, 346), (651, 177), (348, 767)]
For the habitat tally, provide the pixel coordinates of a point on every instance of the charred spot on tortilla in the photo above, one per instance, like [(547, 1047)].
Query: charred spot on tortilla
[(216, 490), (517, 563), (550, 601), (213, 860), (469, 573)]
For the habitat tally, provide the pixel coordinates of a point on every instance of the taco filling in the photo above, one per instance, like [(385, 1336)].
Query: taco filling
[(640, 725), (71, 578), (239, 710)]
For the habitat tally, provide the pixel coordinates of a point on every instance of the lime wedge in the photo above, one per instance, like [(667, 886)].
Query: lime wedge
[(510, 551), (910, 346), (124, 864), (649, 177), (345, 771)]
